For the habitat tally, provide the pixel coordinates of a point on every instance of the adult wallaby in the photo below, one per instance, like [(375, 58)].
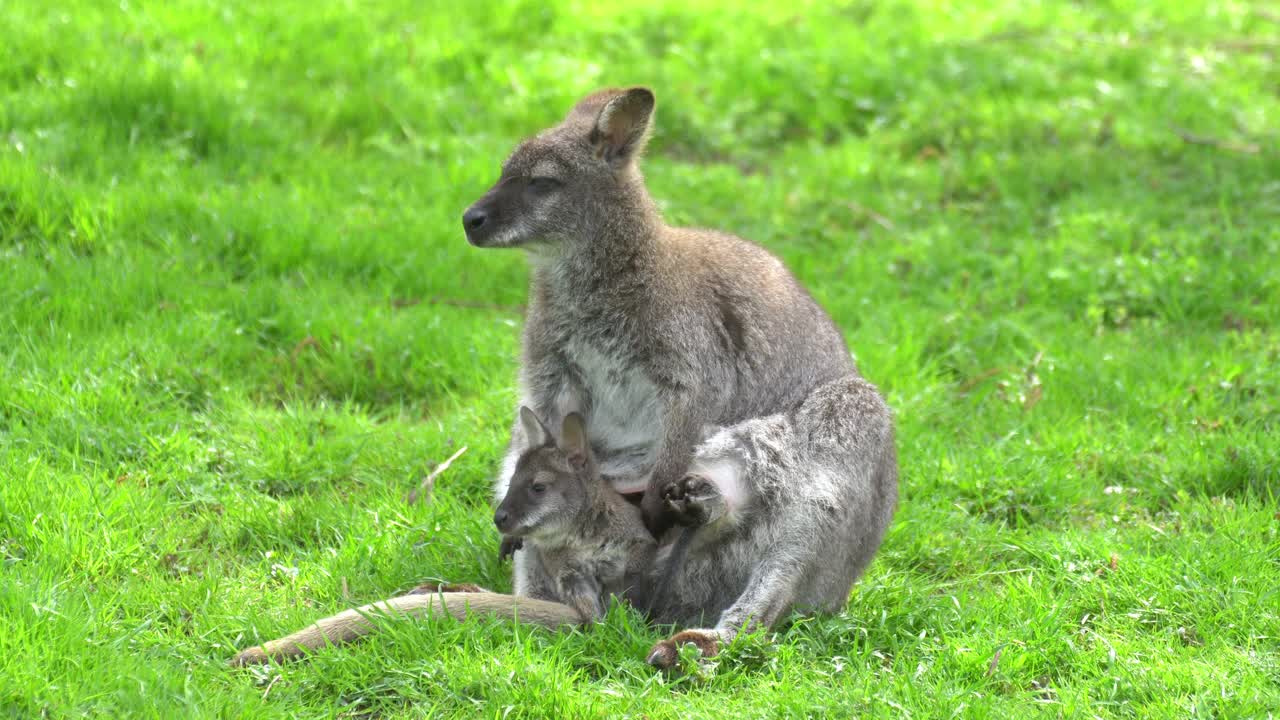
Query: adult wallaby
[(661, 337), (654, 333), (591, 541)]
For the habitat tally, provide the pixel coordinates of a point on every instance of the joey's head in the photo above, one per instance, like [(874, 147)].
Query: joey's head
[(570, 180), (553, 481)]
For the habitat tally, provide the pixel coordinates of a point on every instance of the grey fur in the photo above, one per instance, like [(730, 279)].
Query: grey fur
[(654, 333), (792, 508)]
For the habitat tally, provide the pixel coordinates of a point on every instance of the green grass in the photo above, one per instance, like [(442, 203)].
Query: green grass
[(239, 321)]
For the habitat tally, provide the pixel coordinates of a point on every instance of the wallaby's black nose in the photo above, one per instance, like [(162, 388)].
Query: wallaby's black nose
[(473, 218), (500, 518)]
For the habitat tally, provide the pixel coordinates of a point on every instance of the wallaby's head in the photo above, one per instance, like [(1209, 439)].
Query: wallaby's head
[(553, 481), (569, 180)]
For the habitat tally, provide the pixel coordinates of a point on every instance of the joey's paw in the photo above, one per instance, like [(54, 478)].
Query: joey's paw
[(509, 547), (693, 500), (655, 511), (666, 654), (433, 588)]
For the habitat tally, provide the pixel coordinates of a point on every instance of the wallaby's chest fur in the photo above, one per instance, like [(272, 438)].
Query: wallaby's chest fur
[(588, 357)]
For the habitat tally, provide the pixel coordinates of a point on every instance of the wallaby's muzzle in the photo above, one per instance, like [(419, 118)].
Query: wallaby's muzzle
[(491, 221), (478, 221), (502, 519), (473, 219)]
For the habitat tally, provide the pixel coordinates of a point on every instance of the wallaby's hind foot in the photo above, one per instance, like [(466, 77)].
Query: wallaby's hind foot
[(432, 588), (666, 654), (694, 500)]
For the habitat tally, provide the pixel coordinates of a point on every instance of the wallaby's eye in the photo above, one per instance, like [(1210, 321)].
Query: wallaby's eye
[(543, 185), (538, 488)]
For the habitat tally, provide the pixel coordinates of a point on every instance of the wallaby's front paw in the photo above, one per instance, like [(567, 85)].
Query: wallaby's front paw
[(693, 500), (433, 588), (509, 547), (666, 654)]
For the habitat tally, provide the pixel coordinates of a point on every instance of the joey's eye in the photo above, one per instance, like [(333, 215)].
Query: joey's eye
[(538, 488), (542, 185)]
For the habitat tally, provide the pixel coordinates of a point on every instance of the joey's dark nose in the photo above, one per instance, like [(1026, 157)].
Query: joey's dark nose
[(500, 519), (473, 219)]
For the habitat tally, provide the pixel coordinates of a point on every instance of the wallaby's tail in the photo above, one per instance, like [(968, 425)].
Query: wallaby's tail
[(353, 624)]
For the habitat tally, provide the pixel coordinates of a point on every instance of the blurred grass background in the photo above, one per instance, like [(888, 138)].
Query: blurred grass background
[(239, 321)]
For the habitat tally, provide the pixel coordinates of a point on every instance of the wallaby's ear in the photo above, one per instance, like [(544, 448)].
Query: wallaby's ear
[(622, 127), (535, 433), (573, 440)]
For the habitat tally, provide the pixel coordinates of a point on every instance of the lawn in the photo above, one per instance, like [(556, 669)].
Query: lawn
[(239, 322)]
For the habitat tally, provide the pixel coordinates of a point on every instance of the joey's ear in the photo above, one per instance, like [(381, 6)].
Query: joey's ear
[(573, 440), (535, 433), (622, 127)]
